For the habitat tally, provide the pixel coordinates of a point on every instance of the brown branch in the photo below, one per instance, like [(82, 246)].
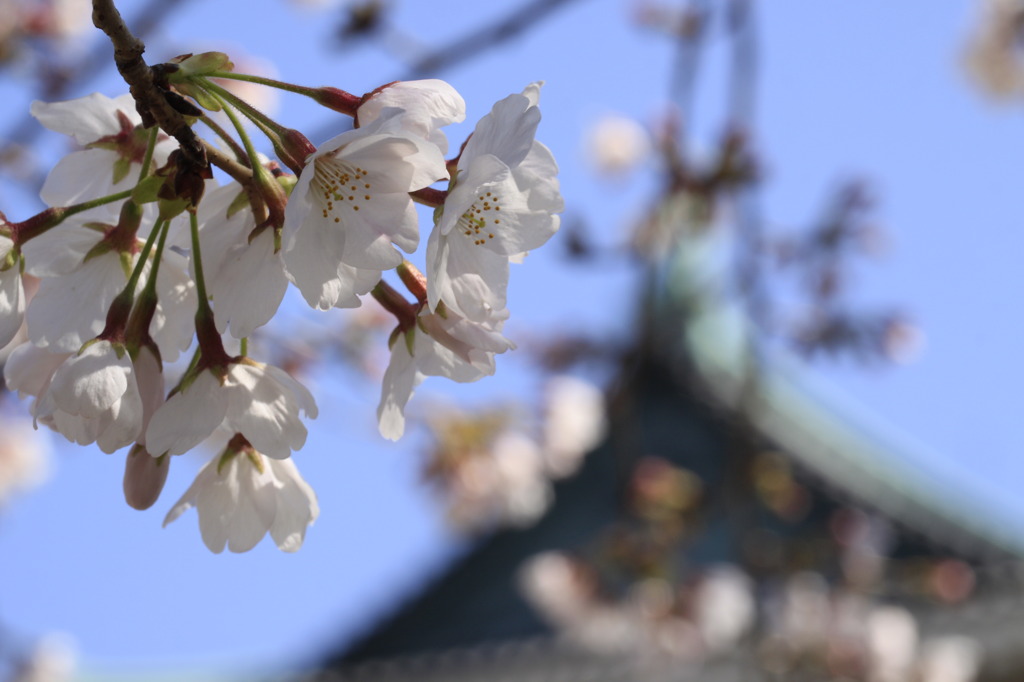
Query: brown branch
[(151, 102)]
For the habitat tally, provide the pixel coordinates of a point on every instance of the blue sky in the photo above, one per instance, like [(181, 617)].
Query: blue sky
[(869, 89)]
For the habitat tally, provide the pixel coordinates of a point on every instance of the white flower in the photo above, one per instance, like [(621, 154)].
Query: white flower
[(617, 143), (246, 279), (78, 283), (259, 401), (24, 461), (892, 643), (448, 346), (351, 207), (574, 423), (724, 607), (95, 395), (116, 142), (505, 484), (950, 658), (501, 204), (241, 495), (426, 105), (12, 292)]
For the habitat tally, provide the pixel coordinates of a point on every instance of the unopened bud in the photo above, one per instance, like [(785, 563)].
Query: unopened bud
[(202, 64), (144, 477), (336, 99), (293, 148)]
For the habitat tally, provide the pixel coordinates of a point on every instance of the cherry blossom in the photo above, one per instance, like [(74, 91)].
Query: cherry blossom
[(259, 401), (448, 346), (81, 274), (104, 318), (241, 495), (351, 207), (115, 146), (502, 203)]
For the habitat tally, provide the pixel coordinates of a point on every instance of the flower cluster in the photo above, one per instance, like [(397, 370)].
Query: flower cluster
[(144, 256)]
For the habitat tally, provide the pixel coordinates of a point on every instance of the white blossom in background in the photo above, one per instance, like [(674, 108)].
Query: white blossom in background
[(24, 457), (240, 496), (507, 484), (115, 145), (447, 346), (617, 144), (550, 581), (502, 203), (892, 643), (724, 609), (574, 423), (806, 613), (351, 208), (54, 659), (950, 658), (261, 402)]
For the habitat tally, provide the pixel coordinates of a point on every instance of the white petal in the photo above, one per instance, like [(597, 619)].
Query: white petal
[(84, 175), (71, 309), (125, 423), (87, 118), (61, 250), (255, 506), (400, 380), (249, 286), (89, 383), (29, 369), (426, 106), (263, 411), (173, 322), (297, 506), (508, 131), (188, 417), (12, 304)]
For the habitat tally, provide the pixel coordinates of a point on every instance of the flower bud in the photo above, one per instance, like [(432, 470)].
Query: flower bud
[(144, 477)]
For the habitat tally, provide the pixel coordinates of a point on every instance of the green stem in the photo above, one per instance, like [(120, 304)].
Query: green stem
[(223, 135), (225, 96), (142, 314), (269, 82), (333, 98), (197, 259), (119, 313), (213, 354), (133, 281), (259, 172), (147, 159)]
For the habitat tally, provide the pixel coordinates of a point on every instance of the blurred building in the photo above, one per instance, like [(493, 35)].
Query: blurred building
[(738, 523)]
